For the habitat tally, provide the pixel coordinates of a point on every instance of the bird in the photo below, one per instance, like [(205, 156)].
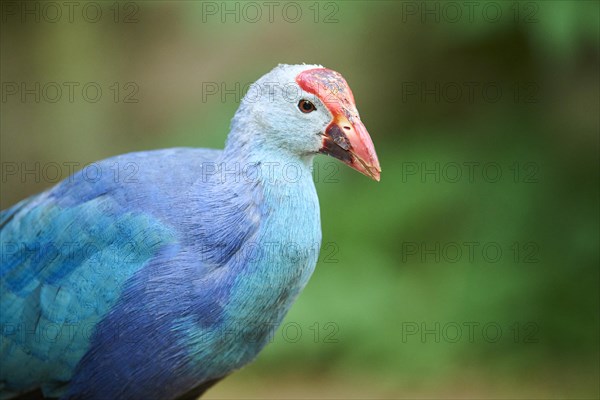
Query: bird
[(158, 283)]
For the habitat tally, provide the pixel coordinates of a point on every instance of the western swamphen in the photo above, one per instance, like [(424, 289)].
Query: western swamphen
[(157, 283)]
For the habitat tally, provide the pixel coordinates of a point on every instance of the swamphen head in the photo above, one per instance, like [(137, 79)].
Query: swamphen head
[(305, 109)]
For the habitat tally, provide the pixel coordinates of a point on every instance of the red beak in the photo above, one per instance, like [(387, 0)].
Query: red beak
[(351, 143), (345, 138)]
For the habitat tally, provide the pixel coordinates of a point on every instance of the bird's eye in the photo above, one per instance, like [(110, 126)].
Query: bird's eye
[(306, 106)]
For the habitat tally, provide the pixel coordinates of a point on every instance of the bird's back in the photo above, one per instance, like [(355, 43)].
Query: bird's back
[(68, 254)]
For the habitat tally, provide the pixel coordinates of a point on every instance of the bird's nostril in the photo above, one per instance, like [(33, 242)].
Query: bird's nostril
[(347, 127)]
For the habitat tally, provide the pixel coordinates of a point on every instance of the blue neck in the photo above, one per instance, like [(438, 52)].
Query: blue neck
[(276, 261)]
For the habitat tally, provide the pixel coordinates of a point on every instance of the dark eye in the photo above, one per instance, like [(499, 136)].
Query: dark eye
[(306, 106)]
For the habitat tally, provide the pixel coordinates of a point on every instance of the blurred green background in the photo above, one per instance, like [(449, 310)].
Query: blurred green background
[(453, 94)]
